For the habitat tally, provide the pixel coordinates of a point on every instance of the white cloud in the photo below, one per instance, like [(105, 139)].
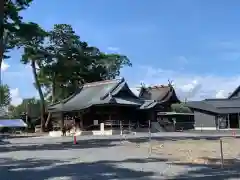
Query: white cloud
[(192, 86), (16, 98), (4, 66), (221, 94), (113, 49)]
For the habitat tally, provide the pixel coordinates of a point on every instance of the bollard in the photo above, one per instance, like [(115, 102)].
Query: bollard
[(74, 139), (234, 133)]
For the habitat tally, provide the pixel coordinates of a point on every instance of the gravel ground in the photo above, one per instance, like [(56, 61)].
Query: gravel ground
[(101, 158)]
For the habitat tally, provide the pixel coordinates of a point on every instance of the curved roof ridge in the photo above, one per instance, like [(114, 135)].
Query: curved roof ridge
[(97, 83), (122, 84)]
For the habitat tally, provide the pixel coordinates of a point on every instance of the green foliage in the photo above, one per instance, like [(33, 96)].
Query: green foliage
[(30, 106), (180, 108), (70, 62), (32, 42), (5, 97), (11, 27), (12, 23)]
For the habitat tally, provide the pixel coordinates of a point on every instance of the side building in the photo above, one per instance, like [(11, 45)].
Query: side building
[(166, 117), (214, 114)]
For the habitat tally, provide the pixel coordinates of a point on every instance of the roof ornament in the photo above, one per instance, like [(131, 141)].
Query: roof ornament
[(110, 95), (170, 83)]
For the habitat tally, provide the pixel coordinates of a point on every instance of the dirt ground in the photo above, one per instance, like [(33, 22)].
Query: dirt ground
[(199, 151)]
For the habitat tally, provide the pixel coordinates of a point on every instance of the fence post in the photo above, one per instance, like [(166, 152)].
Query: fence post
[(121, 133), (174, 124), (221, 150), (129, 127), (149, 133)]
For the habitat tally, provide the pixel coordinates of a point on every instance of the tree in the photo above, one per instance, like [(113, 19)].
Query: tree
[(83, 63), (5, 97), (11, 26), (180, 108), (34, 53), (29, 106), (71, 62)]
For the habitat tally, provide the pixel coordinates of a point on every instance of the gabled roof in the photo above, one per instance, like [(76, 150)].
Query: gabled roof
[(221, 106), (159, 93), (234, 93), (102, 92)]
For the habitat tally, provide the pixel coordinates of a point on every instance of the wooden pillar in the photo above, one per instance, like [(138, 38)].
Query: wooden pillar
[(238, 120), (80, 124), (152, 115), (62, 120), (218, 122), (228, 122), (62, 117), (110, 119)]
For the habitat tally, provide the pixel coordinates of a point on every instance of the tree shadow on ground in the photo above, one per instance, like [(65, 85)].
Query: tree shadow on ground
[(210, 169), (3, 142), (81, 144), (146, 139), (16, 136), (45, 169), (87, 143)]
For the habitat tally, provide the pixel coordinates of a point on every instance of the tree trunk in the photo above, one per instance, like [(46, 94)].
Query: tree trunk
[(38, 86), (3, 42), (1, 57), (53, 100)]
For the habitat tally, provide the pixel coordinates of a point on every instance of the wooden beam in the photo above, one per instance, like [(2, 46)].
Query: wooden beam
[(228, 121), (238, 120)]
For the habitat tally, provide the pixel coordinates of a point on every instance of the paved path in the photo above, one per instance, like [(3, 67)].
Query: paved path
[(101, 158)]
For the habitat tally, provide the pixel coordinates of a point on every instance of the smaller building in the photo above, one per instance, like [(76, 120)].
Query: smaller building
[(162, 94), (174, 121), (166, 119), (214, 114)]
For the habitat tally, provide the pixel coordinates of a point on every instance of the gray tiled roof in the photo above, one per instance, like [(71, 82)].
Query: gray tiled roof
[(102, 92), (148, 104), (221, 106), (223, 103)]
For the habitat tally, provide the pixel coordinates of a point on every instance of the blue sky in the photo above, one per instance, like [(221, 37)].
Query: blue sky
[(194, 43)]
